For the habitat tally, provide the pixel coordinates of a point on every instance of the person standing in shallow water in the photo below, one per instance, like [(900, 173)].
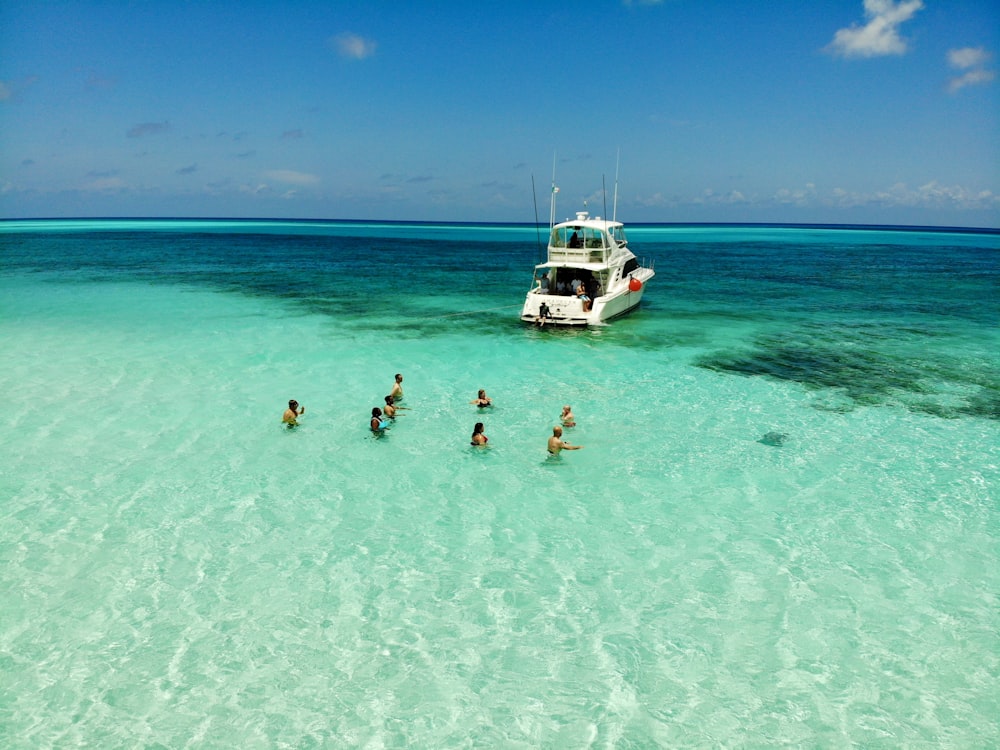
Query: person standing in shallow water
[(568, 420), (478, 438), (292, 413), (482, 400), (557, 444), (397, 388), (389, 409)]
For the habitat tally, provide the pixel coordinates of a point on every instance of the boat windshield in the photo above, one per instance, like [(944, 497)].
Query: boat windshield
[(577, 236), (618, 235)]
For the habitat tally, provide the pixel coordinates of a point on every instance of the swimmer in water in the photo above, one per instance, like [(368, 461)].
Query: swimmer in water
[(397, 388), (568, 420), (378, 424), (482, 400), (557, 444), (478, 438), (292, 413)]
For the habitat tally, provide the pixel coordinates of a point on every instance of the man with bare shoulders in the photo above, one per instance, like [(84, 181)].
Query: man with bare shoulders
[(292, 413), (556, 443), (397, 388)]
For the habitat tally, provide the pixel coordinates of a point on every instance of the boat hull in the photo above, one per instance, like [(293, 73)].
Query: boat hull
[(568, 311)]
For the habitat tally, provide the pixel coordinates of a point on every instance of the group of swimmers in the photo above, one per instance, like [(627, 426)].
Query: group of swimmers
[(382, 417)]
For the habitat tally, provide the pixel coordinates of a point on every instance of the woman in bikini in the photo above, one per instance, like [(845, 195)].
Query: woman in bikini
[(482, 401), (478, 438)]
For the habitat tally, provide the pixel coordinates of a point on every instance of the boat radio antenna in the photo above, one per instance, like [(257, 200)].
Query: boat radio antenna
[(552, 199), (604, 193), (614, 216)]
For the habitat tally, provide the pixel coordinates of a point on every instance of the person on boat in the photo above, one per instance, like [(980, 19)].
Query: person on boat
[(397, 388), (482, 400), (390, 408), (567, 418), (478, 438), (292, 413), (581, 292), (543, 314), (557, 444), (561, 288), (574, 240), (543, 283), (378, 423)]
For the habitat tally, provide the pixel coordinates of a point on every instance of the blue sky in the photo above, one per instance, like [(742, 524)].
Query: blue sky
[(853, 111)]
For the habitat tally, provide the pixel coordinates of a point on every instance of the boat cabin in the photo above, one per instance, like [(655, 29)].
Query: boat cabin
[(585, 240)]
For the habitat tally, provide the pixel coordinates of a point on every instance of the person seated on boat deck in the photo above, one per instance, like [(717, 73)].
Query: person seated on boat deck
[(561, 287), (543, 283), (543, 314), (482, 400), (582, 294), (575, 241)]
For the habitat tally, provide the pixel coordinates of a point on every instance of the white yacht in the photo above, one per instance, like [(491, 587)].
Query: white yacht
[(592, 253)]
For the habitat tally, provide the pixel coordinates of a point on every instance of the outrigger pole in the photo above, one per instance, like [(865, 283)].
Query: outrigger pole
[(538, 229)]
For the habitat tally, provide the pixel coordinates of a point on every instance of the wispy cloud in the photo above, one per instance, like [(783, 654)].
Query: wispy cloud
[(880, 34), (190, 169), (973, 61), (930, 195), (353, 46), (147, 128), (291, 177), (291, 135), (11, 90)]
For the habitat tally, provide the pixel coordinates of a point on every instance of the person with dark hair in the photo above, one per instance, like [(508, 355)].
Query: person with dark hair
[(478, 438), (390, 409), (292, 413), (397, 388), (378, 423)]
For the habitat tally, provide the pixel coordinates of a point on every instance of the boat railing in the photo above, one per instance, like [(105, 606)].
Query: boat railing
[(577, 255)]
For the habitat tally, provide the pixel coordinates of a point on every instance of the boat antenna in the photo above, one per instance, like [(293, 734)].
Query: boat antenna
[(618, 159), (604, 192), (552, 200), (538, 229)]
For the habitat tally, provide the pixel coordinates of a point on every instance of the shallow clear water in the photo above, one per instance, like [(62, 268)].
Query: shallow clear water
[(179, 570)]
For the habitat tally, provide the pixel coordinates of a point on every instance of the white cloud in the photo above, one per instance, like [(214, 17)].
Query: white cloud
[(798, 197), (968, 57), (972, 78), (931, 195), (292, 177), (353, 46), (880, 35), (973, 61)]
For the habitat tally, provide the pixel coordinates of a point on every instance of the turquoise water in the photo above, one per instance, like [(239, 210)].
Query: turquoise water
[(181, 571)]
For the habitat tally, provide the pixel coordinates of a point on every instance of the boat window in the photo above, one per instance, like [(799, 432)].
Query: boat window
[(630, 265), (618, 235), (577, 237)]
